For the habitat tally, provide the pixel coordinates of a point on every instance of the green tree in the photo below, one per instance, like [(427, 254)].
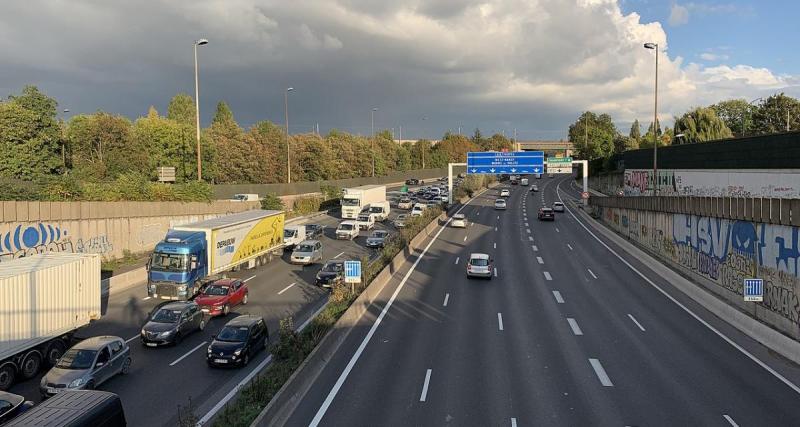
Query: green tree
[(169, 143), (30, 137), (223, 116), (771, 114), (235, 165), (736, 113), (181, 109), (635, 134), (700, 125), (622, 143), (477, 137), (593, 135), (101, 146), (647, 139)]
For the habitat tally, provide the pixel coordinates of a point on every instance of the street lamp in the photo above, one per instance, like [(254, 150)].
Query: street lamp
[(200, 42), (372, 120), (654, 46), (744, 123), (680, 135), (286, 111)]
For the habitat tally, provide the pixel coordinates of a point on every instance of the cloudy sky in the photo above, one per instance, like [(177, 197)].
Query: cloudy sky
[(427, 65)]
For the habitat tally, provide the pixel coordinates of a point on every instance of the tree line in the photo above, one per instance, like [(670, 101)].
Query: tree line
[(102, 147), (596, 136)]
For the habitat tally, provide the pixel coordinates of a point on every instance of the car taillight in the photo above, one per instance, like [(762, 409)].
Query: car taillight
[(469, 267)]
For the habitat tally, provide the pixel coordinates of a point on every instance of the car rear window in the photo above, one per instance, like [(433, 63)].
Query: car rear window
[(480, 262)]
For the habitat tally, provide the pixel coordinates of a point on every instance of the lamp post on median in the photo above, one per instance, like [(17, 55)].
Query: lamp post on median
[(288, 157), (199, 42), (372, 121), (654, 46)]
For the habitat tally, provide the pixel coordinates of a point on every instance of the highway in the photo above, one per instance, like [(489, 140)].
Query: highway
[(163, 378), (567, 333)]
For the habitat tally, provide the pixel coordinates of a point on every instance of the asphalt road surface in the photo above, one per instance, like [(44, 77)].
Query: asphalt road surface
[(565, 334)]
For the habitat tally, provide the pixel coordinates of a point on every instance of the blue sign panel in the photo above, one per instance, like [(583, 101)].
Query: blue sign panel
[(753, 290), (352, 271), (514, 162)]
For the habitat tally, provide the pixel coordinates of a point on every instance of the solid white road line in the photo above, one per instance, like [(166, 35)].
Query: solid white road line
[(569, 246), (188, 353), (730, 420), (231, 394), (286, 288), (592, 273), (558, 297), (495, 272), (513, 422), (636, 322), (547, 275), (601, 373), (457, 258), (574, 326), (539, 260), (500, 321), (424, 394), (337, 256), (347, 369), (311, 318), (127, 341), (733, 344), (146, 298), (446, 299), (249, 278), (535, 248)]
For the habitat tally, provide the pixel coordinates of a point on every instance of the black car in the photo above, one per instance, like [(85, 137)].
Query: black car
[(74, 408), (412, 181), (330, 274), (12, 405), (238, 341), (314, 231), (171, 322)]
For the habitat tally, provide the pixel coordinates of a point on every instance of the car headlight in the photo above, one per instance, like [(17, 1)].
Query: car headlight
[(238, 352), (143, 331), (209, 350), (77, 383), (166, 333), (152, 288), (182, 288)]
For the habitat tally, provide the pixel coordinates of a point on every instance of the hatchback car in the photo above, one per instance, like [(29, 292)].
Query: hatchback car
[(479, 265), (500, 204), (86, 365), (330, 274), (172, 322), (238, 341), (400, 221), (418, 209), (12, 405), (505, 193), (377, 239), (546, 214), (307, 252), (558, 207), (220, 296), (458, 221)]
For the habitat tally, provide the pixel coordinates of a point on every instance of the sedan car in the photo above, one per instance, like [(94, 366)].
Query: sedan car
[(307, 252), (173, 321), (546, 214), (458, 221), (377, 239), (220, 296), (500, 204), (400, 221), (418, 209), (330, 274), (238, 341), (405, 203), (479, 265), (558, 207), (505, 193), (86, 365), (12, 405)]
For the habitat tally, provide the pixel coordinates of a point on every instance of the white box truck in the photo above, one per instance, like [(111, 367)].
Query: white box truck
[(44, 299), (357, 198), (191, 252), (292, 235)]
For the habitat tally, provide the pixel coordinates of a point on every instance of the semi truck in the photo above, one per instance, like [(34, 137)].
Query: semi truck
[(355, 199), (182, 262), (45, 299)]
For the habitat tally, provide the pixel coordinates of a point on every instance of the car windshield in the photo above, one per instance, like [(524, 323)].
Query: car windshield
[(500, 202), (233, 334), (288, 233), (376, 209), (304, 248), (351, 202), (401, 217), (169, 262), (405, 200), (379, 233), (345, 227), (458, 216), (332, 267), (166, 316), (216, 290), (77, 359), (480, 262)]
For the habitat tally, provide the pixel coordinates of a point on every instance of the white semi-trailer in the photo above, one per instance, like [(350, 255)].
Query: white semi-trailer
[(44, 299), (355, 199)]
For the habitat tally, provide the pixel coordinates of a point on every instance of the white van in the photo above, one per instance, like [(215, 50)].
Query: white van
[(292, 235), (347, 230), (523, 181)]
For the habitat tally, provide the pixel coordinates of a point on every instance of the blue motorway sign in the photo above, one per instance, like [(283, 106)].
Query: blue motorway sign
[(753, 290), (513, 162), (352, 271)]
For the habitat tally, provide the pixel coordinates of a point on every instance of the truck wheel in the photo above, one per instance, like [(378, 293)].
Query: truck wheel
[(55, 349), (7, 375), (31, 364)]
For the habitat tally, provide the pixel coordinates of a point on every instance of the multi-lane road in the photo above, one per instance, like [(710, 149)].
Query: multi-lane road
[(566, 333), (163, 378)]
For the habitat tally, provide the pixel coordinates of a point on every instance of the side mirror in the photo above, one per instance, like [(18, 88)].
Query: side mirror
[(147, 265)]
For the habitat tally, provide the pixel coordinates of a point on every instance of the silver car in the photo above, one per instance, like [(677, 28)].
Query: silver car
[(86, 365), (307, 252)]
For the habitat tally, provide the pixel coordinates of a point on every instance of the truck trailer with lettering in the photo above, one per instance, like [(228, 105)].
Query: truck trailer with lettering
[(192, 252)]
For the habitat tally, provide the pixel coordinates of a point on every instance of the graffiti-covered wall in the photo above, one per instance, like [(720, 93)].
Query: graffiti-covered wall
[(714, 183), (720, 253), (107, 229)]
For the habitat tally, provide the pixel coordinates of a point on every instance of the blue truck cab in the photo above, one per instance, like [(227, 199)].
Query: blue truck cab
[(177, 265)]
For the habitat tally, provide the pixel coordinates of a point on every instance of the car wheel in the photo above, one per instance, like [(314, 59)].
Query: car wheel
[(202, 324), (226, 310), (31, 364), (126, 367), (244, 300), (7, 376)]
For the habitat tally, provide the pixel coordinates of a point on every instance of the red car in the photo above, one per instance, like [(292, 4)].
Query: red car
[(219, 297)]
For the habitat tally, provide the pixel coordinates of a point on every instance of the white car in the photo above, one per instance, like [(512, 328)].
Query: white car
[(418, 209), (534, 187), (366, 221), (458, 221), (347, 230), (505, 193), (400, 221), (558, 207), (500, 204), (404, 203), (479, 265)]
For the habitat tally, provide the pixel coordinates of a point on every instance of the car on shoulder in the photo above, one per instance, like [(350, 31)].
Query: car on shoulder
[(558, 207), (546, 214), (405, 203), (238, 341), (459, 221), (534, 188), (173, 321), (505, 192), (377, 239), (87, 365), (12, 405), (330, 274), (412, 181), (500, 204), (400, 221), (479, 265), (307, 252)]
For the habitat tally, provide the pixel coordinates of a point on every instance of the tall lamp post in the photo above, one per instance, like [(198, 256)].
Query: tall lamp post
[(200, 42), (423, 145), (654, 46), (372, 121), (288, 158)]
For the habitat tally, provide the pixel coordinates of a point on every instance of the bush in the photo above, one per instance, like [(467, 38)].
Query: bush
[(271, 202)]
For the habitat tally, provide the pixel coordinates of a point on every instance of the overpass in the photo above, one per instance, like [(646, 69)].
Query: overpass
[(551, 147)]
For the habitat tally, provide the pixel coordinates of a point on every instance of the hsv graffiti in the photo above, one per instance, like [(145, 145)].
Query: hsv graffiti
[(21, 240)]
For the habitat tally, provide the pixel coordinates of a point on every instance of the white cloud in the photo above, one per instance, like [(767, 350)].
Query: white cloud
[(678, 15), (708, 56)]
